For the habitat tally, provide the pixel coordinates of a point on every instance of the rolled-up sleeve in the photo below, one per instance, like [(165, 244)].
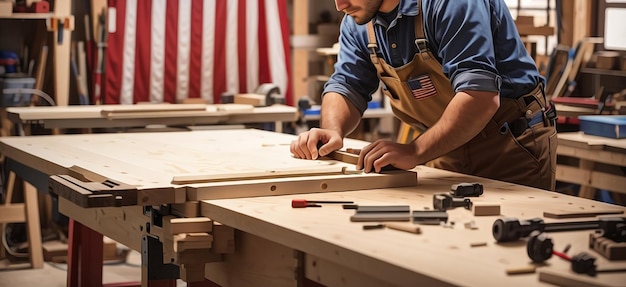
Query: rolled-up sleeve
[(466, 46), (354, 76)]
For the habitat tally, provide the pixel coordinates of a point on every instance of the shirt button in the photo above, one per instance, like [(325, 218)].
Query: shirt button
[(393, 45)]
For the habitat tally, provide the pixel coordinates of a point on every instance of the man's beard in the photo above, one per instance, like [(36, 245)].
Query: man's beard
[(370, 9)]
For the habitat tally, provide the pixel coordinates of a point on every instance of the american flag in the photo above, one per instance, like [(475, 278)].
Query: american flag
[(169, 50), (422, 87)]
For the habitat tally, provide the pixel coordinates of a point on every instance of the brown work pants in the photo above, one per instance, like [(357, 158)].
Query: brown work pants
[(525, 156)]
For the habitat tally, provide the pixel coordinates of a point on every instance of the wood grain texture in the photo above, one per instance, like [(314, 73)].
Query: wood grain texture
[(437, 257), (149, 161)]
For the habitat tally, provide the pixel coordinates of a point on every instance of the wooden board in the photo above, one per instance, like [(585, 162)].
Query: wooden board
[(150, 161)]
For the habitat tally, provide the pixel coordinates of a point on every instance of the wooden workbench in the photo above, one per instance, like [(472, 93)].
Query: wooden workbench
[(141, 115), (277, 245)]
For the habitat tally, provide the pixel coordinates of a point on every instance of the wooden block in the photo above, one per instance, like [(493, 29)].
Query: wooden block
[(192, 272), (606, 247), (109, 249), (188, 241), (251, 99), (606, 59), (187, 209), (197, 256), (521, 270), (52, 250), (486, 208), (223, 238), (188, 225)]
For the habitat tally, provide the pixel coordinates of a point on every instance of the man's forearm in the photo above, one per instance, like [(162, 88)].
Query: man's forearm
[(463, 119), (338, 114)]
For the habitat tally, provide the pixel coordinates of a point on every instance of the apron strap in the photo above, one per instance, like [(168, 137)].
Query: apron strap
[(372, 45), (420, 40)]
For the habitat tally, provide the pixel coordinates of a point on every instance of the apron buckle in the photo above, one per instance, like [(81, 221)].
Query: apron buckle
[(421, 45)]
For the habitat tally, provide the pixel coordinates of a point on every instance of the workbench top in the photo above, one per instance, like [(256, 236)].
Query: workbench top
[(440, 256)]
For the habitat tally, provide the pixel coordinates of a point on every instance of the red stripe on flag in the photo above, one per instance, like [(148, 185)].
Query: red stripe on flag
[(284, 20), (171, 52), (265, 75), (242, 44), (195, 58), (141, 87), (219, 56), (112, 81)]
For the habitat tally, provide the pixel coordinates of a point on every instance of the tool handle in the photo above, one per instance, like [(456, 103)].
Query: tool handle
[(404, 227), (299, 203)]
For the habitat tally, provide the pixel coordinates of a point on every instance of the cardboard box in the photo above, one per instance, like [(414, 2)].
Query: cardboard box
[(605, 126)]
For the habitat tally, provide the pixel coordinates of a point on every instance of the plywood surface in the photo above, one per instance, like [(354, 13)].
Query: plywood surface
[(439, 256), (150, 161)]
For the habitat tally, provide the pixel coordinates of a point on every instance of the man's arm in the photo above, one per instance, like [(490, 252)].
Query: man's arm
[(466, 115), (338, 114)]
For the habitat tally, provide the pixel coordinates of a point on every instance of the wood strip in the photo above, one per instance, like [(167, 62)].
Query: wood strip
[(559, 214), (207, 178)]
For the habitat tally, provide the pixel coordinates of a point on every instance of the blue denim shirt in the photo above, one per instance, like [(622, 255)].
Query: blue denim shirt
[(476, 42)]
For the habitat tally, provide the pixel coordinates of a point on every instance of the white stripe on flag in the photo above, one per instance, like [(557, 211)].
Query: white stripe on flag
[(208, 49), (275, 46), (157, 51), (252, 43), (128, 68), (232, 63), (184, 46)]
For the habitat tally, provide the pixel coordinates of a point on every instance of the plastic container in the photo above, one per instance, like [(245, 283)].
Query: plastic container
[(16, 99)]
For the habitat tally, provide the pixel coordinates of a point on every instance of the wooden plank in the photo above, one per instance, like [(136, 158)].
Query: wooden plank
[(12, 213), (568, 278), (571, 213), (188, 225)]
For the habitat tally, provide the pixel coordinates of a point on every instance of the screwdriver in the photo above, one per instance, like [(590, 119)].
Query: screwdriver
[(301, 203)]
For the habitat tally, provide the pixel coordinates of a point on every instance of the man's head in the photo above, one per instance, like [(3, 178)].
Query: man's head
[(364, 10)]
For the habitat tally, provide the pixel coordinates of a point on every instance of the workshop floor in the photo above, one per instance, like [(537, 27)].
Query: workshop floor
[(54, 275)]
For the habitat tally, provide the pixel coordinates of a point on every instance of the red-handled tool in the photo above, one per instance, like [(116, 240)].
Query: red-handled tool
[(301, 203)]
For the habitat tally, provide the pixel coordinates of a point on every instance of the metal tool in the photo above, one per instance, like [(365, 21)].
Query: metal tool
[(466, 189), (301, 203), (583, 263), (511, 229), (445, 201), (541, 248)]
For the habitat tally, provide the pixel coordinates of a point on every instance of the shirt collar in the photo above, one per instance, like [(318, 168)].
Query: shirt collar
[(405, 8)]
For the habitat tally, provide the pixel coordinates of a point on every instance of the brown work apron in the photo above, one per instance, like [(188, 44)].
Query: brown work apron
[(518, 145)]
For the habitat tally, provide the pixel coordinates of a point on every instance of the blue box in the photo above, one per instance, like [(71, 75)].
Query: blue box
[(604, 126)]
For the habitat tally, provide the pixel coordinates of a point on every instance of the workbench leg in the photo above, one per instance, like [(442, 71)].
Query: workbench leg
[(84, 256), (31, 206), (587, 191)]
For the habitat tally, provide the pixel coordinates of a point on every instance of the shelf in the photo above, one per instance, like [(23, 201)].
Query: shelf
[(604, 72), (27, 16)]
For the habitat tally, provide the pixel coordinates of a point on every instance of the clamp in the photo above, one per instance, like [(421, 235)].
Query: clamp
[(443, 201), (511, 229)]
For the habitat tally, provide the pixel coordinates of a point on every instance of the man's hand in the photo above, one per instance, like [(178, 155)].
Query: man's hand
[(382, 153), (306, 146)]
